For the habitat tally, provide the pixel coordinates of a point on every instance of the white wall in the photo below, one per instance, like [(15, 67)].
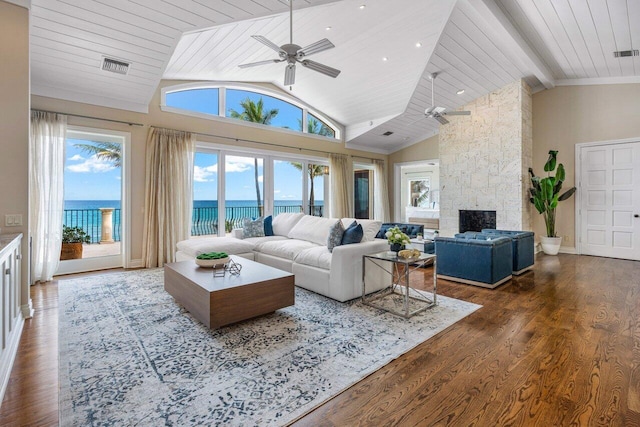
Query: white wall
[(14, 126)]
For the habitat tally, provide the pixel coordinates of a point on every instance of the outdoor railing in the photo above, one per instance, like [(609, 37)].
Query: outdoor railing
[(204, 220), (90, 220)]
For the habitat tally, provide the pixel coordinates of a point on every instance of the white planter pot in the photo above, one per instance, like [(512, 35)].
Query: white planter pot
[(550, 245)]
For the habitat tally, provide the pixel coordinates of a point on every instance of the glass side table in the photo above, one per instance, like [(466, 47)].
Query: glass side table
[(399, 298)]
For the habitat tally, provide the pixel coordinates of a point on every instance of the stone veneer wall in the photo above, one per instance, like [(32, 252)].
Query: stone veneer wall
[(485, 158)]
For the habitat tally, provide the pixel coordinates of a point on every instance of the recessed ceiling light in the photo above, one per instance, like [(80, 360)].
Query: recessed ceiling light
[(328, 28), (460, 91), (385, 58), (418, 44), (362, 6)]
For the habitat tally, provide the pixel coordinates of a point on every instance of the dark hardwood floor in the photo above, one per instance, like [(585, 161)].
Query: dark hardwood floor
[(557, 346)]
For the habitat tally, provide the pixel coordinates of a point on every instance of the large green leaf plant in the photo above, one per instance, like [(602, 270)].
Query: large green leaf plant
[(545, 192)]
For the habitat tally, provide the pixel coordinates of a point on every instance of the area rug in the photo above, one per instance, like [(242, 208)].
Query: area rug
[(130, 355)]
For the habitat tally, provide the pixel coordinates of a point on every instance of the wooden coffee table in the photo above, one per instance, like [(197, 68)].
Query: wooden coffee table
[(219, 301)]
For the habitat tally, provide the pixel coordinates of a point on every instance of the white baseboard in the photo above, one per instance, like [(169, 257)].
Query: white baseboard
[(8, 355), (27, 309), (563, 249), (135, 263)]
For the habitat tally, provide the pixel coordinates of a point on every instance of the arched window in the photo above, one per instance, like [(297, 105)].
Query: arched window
[(233, 101)]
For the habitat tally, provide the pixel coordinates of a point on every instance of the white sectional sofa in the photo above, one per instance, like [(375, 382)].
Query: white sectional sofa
[(299, 245)]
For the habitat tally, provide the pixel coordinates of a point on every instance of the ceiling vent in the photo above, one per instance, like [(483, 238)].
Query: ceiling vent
[(115, 66), (387, 133), (625, 53)]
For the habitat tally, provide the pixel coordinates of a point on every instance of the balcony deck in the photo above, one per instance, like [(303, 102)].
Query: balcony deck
[(94, 250)]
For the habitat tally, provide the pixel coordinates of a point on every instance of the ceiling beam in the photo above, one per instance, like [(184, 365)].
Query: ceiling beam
[(508, 35)]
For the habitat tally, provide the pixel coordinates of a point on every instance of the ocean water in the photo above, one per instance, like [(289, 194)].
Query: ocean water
[(86, 214)]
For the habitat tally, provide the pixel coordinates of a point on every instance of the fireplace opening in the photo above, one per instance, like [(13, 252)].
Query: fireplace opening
[(476, 220)]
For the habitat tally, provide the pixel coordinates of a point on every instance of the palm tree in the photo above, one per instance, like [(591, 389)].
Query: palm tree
[(316, 127), (110, 151), (314, 171), (254, 112)]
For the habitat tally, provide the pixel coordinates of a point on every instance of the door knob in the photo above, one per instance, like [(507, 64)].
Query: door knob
[(636, 216)]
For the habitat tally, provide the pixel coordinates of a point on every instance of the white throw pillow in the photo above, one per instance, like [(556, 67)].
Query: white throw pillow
[(284, 222), (370, 227), (312, 229)]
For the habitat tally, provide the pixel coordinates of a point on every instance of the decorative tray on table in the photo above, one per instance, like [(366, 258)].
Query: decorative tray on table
[(212, 259)]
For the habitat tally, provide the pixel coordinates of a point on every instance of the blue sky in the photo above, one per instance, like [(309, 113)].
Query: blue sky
[(88, 178)]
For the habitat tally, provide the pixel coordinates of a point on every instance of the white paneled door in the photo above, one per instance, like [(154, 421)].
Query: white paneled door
[(610, 200)]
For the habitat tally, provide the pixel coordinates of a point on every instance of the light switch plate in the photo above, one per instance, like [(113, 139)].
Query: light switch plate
[(8, 220)]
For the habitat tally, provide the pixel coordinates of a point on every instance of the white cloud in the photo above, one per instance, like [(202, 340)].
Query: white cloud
[(203, 174), (276, 191), (75, 158), (92, 165), (261, 178), (288, 196), (239, 164)]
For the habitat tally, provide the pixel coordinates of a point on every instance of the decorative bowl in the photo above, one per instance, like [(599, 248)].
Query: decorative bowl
[(212, 263)]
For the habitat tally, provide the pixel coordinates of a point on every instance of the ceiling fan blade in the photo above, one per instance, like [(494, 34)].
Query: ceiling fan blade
[(254, 64), (290, 75), (265, 41), (441, 119), (457, 113), (316, 47), (321, 68)]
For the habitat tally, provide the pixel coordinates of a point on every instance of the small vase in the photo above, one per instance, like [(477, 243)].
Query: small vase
[(396, 247)]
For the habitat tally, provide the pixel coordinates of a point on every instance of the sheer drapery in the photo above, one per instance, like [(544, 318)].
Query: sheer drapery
[(341, 179), (46, 192), (381, 189), (168, 194)]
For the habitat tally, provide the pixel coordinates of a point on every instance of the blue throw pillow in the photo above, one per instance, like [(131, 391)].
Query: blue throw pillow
[(353, 234), (335, 235), (268, 226)]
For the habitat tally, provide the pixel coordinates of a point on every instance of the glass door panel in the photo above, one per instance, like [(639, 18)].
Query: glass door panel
[(318, 175), (94, 211), (287, 186), (362, 191), (244, 189), (205, 194)]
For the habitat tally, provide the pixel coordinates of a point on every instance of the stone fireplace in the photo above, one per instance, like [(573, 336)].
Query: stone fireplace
[(485, 158), (472, 220)]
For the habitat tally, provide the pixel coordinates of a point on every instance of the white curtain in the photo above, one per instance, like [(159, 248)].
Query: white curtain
[(341, 180), (168, 194), (381, 201), (46, 196)]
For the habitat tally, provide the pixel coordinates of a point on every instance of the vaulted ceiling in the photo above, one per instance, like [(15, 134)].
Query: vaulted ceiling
[(475, 45)]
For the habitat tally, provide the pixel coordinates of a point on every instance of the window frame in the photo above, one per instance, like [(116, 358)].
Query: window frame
[(268, 157), (222, 89)]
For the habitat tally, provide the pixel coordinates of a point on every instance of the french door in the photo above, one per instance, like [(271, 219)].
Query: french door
[(96, 198), (609, 205)]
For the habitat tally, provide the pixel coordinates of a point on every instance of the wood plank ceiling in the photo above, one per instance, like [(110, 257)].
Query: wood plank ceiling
[(475, 45)]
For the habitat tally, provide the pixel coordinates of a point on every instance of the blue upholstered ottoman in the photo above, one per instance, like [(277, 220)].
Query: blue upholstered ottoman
[(522, 247), (479, 262)]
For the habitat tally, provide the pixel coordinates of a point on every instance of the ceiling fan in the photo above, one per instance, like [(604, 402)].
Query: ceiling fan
[(293, 53), (438, 113)]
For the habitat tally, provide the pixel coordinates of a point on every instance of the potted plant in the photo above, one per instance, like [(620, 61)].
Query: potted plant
[(545, 196), (72, 240), (397, 239)]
